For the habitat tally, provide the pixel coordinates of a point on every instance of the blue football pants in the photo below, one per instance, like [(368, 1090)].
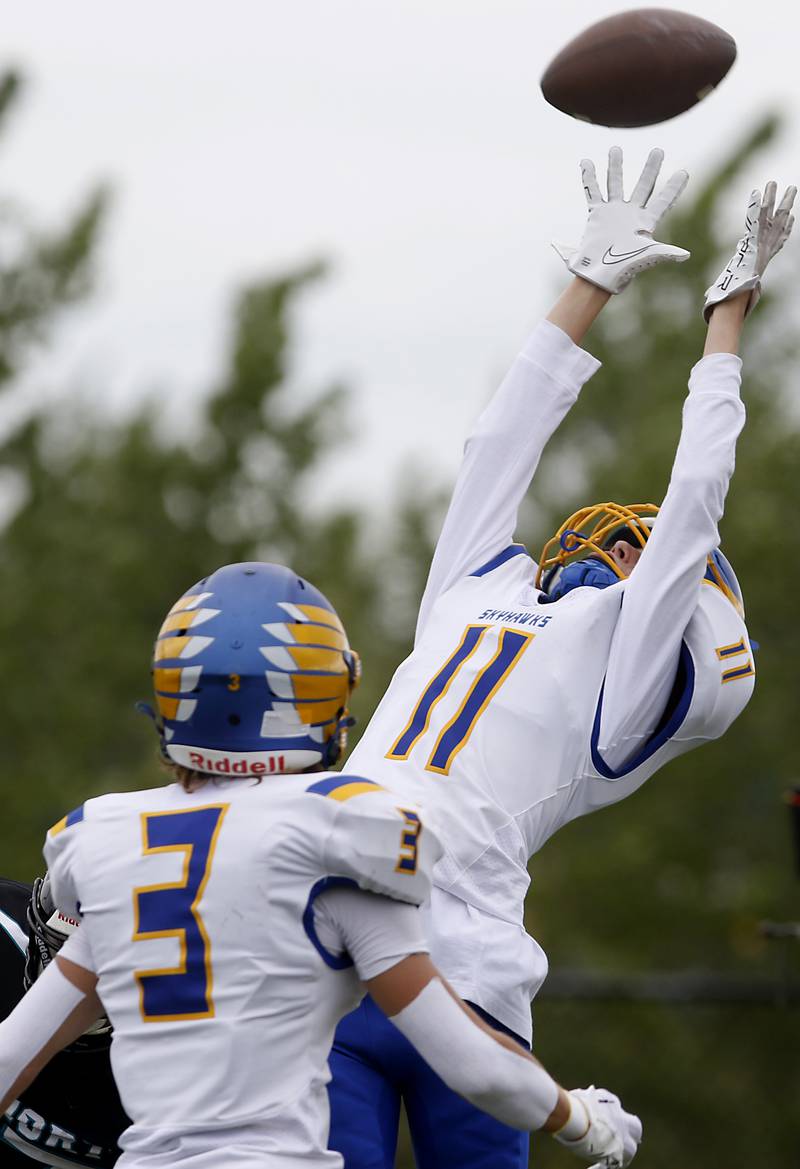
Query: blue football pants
[(374, 1067)]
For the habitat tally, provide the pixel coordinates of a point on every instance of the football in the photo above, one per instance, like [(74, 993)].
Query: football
[(638, 68)]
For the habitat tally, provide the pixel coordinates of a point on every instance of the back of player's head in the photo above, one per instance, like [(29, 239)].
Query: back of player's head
[(252, 674)]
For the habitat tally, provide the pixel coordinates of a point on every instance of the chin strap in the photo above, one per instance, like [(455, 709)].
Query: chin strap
[(146, 709), (337, 743)]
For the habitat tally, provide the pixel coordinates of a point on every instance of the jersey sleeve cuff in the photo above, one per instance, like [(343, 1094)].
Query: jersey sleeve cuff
[(551, 348), (719, 373)]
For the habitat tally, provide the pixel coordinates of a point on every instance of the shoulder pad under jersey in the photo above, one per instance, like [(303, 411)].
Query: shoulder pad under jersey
[(378, 840)]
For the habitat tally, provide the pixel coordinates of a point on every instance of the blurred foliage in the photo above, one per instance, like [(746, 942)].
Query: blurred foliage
[(115, 520)]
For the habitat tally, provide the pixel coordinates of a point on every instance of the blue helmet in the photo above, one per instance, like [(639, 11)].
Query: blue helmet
[(252, 674)]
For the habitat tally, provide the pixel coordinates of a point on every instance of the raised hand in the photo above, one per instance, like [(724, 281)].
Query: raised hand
[(618, 241), (765, 232)]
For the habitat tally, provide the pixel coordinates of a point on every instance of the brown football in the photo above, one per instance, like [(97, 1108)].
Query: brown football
[(638, 68)]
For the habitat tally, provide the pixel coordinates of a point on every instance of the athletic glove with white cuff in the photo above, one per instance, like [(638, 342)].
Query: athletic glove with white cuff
[(510, 1085), (618, 240), (600, 1129), (765, 232)]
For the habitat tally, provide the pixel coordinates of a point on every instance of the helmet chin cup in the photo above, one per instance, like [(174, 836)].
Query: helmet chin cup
[(591, 572)]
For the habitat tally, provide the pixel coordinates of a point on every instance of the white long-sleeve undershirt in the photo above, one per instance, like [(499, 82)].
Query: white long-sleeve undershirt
[(501, 456), (663, 590)]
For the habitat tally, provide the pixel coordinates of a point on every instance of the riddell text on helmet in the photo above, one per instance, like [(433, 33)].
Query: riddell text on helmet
[(199, 762)]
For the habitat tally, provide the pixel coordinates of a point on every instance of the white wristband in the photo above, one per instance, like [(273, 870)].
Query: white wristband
[(577, 1124)]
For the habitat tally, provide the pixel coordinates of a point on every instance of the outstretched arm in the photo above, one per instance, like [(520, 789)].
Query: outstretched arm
[(725, 326), (385, 941), (664, 587), (503, 452)]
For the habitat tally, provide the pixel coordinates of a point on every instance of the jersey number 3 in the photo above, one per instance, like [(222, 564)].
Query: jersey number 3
[(511, 645), (170, 911)]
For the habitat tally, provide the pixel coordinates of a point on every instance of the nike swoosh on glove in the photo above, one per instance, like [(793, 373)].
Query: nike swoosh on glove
[(618, 241)]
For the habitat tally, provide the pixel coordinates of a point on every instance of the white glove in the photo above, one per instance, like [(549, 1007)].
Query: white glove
[(618, 240), (765, 232), (612, 1136)]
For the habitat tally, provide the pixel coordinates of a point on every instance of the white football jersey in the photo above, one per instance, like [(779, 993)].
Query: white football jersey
[(198, 910), (494, 721), (512, 717)]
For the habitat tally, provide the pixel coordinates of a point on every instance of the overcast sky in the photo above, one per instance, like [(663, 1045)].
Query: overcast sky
[(406, 142)]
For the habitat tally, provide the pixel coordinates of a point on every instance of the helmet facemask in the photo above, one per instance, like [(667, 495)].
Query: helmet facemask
[(586, 538), (580, 551)]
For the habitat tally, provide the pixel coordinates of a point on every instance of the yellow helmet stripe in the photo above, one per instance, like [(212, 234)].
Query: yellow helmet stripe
[(180, 647), (311, 658), (319, 635), (190, 601), (168, 679), (312, 613), (307, 634), (186, 619), (318, 687), (167, 707), (320, 712)]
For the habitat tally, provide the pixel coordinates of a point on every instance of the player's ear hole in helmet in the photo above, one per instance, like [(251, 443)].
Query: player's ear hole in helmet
[(48, 930), (252, 674), (580, 552)]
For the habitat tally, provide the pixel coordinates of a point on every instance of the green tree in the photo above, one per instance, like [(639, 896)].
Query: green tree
[(117, 521), (43, 272)]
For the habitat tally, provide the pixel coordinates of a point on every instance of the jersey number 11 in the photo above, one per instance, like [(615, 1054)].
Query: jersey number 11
[(511, 645)]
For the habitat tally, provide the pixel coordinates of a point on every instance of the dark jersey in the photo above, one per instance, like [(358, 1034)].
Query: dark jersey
[(71, 1115)]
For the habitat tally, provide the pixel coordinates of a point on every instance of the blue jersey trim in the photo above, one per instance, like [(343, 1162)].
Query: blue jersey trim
[(675, 716), (324, 787), (507, 554), (75, 816), (335, 961)]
